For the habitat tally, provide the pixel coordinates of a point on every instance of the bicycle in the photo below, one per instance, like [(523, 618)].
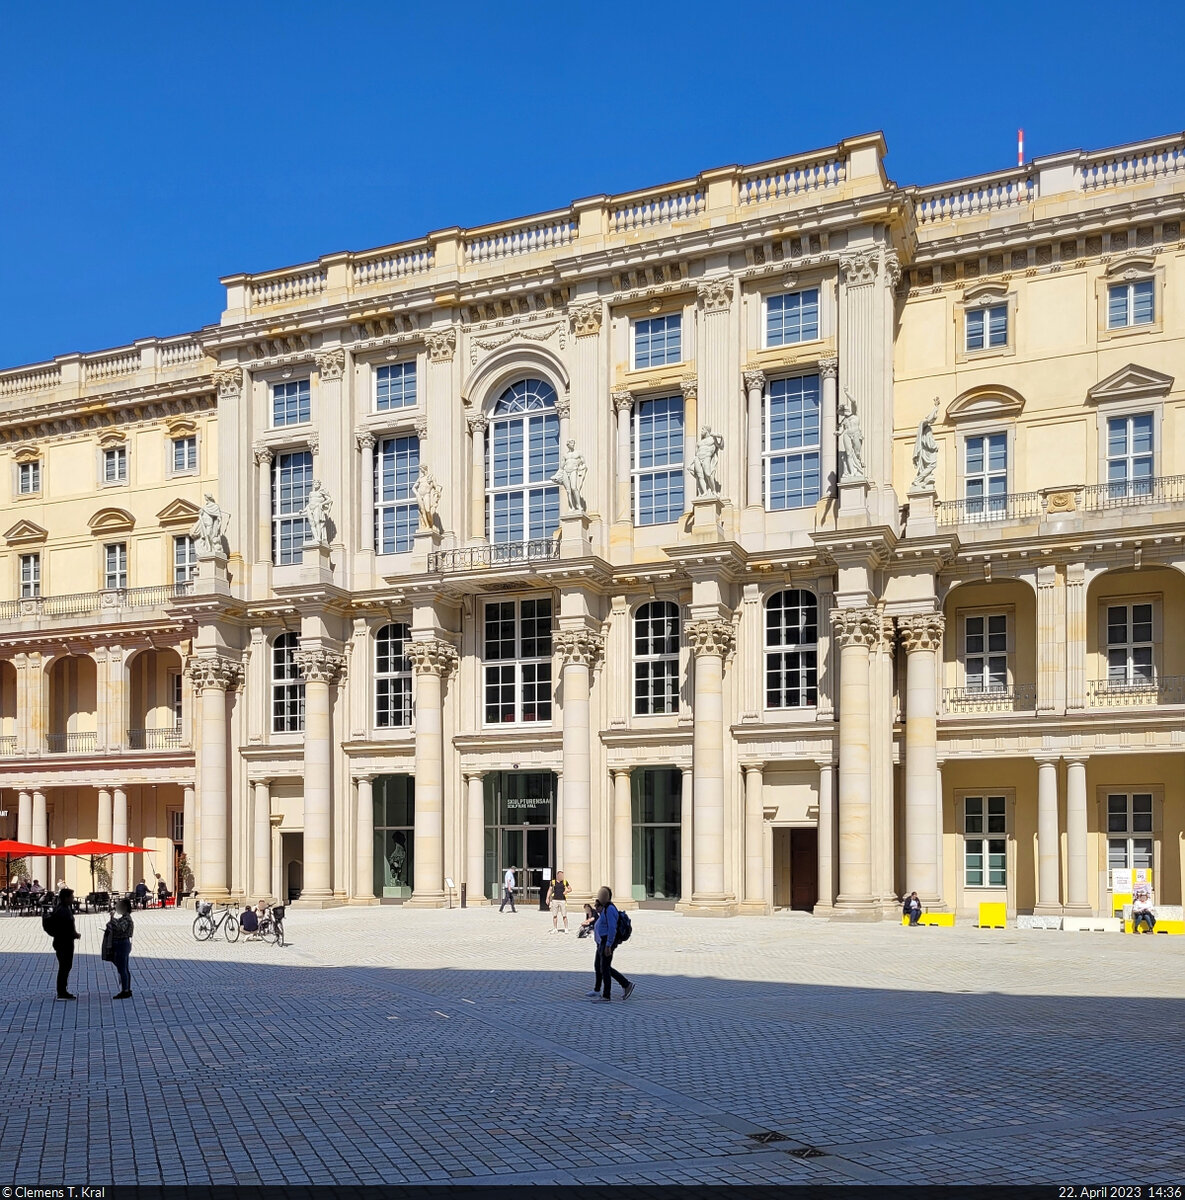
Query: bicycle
[(206, 925), (271, 928)]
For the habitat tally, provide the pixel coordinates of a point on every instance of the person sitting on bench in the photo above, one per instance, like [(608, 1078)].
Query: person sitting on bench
[(1142, 913), (249, 921)]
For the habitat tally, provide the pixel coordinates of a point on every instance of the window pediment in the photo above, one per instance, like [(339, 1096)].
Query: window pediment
[(113, 439), (1129, 267), (178, 512), (182, 426), (111, 520), (25, 533), (985, 403), (27, 454), (985, 294), (1132, 382)]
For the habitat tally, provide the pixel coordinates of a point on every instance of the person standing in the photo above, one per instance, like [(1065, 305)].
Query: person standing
[(557, 894), (508, 891), (606, 935), (122, 927), (60, 926)]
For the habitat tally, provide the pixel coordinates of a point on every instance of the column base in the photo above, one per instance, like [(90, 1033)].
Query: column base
[(428, 900), (364, 902), (317, 902), (753, 908), (1047, 910), (857, 908), (708, 906), (1075, 910)]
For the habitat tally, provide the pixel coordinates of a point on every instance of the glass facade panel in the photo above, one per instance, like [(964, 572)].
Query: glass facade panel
[(657, 798), (394, 835)]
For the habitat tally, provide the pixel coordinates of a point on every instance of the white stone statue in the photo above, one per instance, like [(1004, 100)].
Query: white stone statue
[(427, 493), (571, 476), (207, 528), (925, 452), (316, 511), (704, 462), (851, 441)]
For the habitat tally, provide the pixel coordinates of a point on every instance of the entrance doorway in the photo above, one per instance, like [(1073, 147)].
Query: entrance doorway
[(292, 856), (657, 799), (394, 837), (520, 829), (796, 868)]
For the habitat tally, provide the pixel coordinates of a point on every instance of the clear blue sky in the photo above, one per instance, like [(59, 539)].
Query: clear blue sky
[(148, 149)]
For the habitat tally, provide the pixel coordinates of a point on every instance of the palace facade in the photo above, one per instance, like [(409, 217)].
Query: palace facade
[(767, 655)]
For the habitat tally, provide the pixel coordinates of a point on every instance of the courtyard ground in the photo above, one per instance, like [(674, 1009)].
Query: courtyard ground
[(386, 1046)]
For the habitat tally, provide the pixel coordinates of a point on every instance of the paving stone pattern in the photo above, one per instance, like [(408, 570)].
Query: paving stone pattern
[(390, 1046)]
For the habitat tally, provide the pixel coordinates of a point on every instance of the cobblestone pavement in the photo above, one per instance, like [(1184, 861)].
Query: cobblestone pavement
[(385, 1045)]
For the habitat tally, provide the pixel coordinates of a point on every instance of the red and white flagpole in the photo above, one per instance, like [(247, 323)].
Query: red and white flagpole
[(1020, 147)]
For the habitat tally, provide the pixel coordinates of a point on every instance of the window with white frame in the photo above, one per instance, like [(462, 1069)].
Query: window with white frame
[(396, 514), (517, 661), (395, 386), (987, 327), (287, 686), (392, 678), (1130, 456), (985, 652), (1131, 304), (792, 317), (292, 480), (115, 464), (1129, 831), (522, 455), (791, 442), (175, 698), (291, 404), (184, 559), (658, 341), (985, 475), (656, 658), (658, 460), (30, 575), (184, 454), (985, 844), (115, 565), (28, 477), (791, 649), (1130, 645)]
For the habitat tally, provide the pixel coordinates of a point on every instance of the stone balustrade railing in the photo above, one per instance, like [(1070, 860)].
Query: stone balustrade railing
[(81, 604), (285, 287), (8, 746), (974, 197), (649, 209), (520, 238), (385, 266), (1133, 164), (791, 177)]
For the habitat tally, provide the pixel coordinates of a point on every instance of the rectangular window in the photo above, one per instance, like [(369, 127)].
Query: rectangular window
[(115, 465), (396, 515), (658, 460), (175, 697), (985, 846), (292, 479), (987, 327), (1129, 831), (1129, 456), (290, 403), (985, 475), (517, 661), (30, 575), (115, 565), (28, 477), (184, 454), (184, 559), (1131, 304), (1129, 645), (395, 386), (792, 442), (792, 317), (985, 652), (657, 341)]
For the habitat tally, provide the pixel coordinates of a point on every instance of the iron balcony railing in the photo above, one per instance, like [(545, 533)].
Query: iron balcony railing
[(1131, 493), (7, 746), (1134, 693), (1017, 697), (72, 743), (501, 554), (986, 509), (170, 738), (81, 604)]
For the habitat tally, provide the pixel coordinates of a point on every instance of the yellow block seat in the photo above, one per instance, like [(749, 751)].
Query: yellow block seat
[(941, 919), (1161, 927), (993, 915)]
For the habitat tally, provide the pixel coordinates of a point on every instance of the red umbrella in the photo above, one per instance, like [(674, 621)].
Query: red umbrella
[(11, 849), (83, 849)]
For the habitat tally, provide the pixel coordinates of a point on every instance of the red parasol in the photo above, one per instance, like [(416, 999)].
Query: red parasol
[(84, 849)]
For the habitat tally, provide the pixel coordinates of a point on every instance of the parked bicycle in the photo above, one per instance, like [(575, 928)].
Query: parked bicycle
[(271, 927), (206, 924)]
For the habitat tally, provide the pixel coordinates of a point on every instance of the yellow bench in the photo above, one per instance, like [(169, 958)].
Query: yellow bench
[(943, 919), (993, 915), (1161, 927), (1119, 901)]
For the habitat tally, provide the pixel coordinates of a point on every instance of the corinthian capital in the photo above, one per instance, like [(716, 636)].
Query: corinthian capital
[(586, 319), (859, 269), (829, 367), (857, 626), (715, 294), (318, 665), (922, 631), (710, 637), (478, 423), (214, 671), (431, 657), (690, 387), (229, 383), (580, 647), (442, 344), (364, 439), (331, 364), (754, 380), (263, 455), (622, 400)]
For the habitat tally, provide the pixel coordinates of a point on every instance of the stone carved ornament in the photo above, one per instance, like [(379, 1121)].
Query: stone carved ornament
[(442, 344), (214, 672), (427, 493), (207, 529), (586, 319), (318, 665), (229, 383), (331, 364), (711, 637), (316, 511), (580, 647), (571, 476), (432, 657), (754, 380), (921, 631), (851, 441), (925, 452), (857, 626), (715, 294), (622, 400)]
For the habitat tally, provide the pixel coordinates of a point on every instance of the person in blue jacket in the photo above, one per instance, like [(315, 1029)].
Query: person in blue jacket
[(605, 932)]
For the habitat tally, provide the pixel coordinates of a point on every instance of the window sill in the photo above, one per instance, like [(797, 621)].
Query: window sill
[(986, 354), (1122, 331)]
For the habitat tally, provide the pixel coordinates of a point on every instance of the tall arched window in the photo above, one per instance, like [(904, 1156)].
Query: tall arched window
[(287, 686), (656, 658), (523, 453), (791, 650), (392, 678)]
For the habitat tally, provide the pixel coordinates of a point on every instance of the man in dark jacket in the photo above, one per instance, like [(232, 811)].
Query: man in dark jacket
[(64, 934), (605, 931)]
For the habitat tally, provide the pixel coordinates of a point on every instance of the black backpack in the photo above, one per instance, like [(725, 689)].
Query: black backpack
[(624, 929), (50, 921)]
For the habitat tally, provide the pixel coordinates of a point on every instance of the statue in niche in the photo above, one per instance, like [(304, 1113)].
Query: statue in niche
[(207, 528), (704, 462), (396, 861), (851, 441), (316, 511), (925, 452), (571, 476), (427, 493)]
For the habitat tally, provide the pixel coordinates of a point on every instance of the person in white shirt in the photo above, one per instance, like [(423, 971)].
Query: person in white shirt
[(1142, 913), (508, 890)]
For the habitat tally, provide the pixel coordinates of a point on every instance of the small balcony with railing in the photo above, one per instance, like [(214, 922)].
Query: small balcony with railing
[(495, 556), (1128, 691), (109, 606), (989, 699)]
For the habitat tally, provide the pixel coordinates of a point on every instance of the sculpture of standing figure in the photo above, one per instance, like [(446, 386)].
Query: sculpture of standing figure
[(925, 452), (571, 476), (851, 441), (704, 462), (427, 493), (207, 528), (316, 512)]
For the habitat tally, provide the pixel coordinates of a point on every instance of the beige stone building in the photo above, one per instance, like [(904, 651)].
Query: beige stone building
[(780, 538)]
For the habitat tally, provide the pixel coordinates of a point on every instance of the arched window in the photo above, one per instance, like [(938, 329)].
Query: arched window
[(791, 650), (523, 453), (656, 658), (287, 686), (392, 678)]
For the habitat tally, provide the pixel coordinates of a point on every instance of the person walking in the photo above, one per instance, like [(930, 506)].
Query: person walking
[(59, 924), (508, 891), (122, 927), (557, 894), (606, 935)]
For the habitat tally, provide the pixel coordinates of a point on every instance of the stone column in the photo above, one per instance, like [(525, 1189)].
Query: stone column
[(686, 837), (39, 864), (829, 370), (754, 427), (1075, 637), (857, 631), (189, 841), (478, 424), (563, 410), (754, 836), (263, 467), (623, 406), (1077, 893), (710, 641), (475, 834), (119, 835), (1048, 851), (320, 668), (366, 507), (623, 836), (922, 637), (940, 829), (578, 650), (104, 825), (364, 860), (262, 866), (212, 678), (24, 818), (826, 833), (432, 660)]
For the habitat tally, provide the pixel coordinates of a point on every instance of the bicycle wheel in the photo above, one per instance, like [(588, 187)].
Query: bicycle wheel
[(203, 928), (230, 927), (279, 939), (267, 930)]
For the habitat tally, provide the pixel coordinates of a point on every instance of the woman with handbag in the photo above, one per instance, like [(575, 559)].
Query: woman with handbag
[(117, 946)]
